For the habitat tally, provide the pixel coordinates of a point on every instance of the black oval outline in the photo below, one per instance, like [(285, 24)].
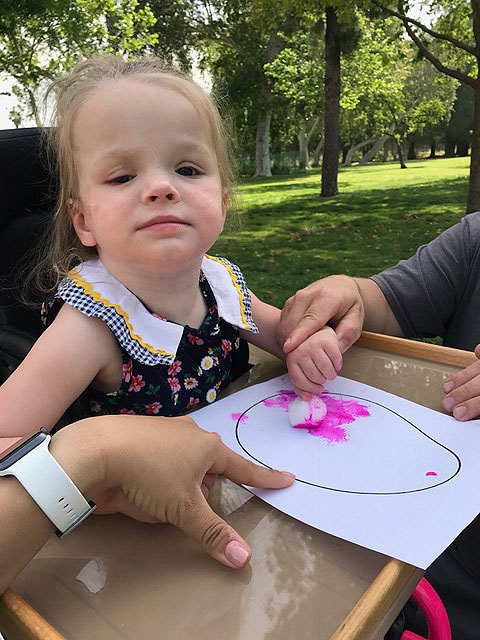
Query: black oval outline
[(366, 493)]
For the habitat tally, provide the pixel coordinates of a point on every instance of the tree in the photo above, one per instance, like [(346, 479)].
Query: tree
[(237, 44), (457, 30), (40, 40), (295, 73)]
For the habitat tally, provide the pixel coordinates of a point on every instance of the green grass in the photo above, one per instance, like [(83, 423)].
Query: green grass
[(289, 236)]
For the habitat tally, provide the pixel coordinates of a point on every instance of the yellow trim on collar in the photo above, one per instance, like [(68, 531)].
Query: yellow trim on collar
[(87, 287), (237, 286)]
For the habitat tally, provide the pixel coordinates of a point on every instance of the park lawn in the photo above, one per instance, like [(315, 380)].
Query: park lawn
[(287, 235)]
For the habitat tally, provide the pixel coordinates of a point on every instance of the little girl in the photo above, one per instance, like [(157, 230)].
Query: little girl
[(140, 316)]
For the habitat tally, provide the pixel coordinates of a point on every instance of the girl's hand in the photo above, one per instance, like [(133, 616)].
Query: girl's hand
[(314, 361), (462, 391), (164, 466)]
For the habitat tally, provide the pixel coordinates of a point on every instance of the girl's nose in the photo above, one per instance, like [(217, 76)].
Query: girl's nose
[(159, 188)]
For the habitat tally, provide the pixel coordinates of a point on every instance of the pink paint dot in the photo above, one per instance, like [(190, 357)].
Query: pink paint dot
[(240, 417), (431, 473)]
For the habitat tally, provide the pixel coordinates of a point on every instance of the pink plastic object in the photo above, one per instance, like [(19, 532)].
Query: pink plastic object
[(437, 619)]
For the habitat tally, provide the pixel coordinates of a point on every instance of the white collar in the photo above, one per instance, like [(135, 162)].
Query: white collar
[(93, 290)]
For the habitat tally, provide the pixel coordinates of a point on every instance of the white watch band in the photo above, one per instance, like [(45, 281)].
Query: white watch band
[(51, 488)]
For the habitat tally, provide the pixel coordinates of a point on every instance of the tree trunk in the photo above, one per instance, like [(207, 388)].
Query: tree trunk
[(332, 105), (473, 203), (356, 147), (449, 148), (302, 144), (411, 153), (433, 149), (462, 149), (371, 153), (262, 152), (317, 152), (400, 154), (386, 150)]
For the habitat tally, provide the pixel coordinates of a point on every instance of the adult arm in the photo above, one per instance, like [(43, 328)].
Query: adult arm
[(143, 457)]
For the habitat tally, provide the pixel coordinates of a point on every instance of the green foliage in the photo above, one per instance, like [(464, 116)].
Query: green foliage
[(41, 40)]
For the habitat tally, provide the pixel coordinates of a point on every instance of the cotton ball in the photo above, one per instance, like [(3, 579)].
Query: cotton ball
[(306, 414)]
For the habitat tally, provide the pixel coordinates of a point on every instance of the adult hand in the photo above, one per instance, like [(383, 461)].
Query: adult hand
[(162, 471), (462, 391), (335, 300)]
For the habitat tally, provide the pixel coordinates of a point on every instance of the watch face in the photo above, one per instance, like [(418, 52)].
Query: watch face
[(20, 448)]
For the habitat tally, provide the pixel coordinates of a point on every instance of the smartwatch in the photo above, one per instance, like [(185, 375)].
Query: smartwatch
[(30, 461)]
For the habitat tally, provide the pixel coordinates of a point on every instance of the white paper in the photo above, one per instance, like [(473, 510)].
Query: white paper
[(403, 480)]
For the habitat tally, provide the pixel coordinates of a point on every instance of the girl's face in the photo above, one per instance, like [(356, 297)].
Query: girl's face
[(150, 196)]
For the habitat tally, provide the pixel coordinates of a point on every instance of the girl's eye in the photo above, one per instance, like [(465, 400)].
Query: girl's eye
[(121, 179), (188, 171)]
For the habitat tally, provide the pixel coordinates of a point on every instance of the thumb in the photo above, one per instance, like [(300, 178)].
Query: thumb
[(217, 537)]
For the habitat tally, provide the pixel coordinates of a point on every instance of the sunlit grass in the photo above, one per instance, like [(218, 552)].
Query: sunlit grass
[(289, 236)]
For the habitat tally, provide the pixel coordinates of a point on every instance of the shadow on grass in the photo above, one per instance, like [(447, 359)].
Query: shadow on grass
[(382, 204)]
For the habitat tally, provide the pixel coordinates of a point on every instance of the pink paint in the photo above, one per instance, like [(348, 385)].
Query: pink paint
[(339, 412), (241, 418), (431, 473), (282, 401)]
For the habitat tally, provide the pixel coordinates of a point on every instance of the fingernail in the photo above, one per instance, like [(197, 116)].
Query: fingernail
[(342, 344), (448, 403), (459, 412), (448, 386), (236, 553), (287, 342), (287, 473)]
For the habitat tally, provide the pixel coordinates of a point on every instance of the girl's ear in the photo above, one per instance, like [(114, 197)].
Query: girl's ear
[(80, 223), (225, 202)]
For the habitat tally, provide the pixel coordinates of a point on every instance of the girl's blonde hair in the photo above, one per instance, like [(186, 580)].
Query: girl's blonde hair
[(63, 250)]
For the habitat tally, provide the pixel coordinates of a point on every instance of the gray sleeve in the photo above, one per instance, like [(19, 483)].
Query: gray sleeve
[(425, 291)]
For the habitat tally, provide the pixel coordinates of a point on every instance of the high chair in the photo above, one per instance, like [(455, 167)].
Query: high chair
[(27, 200)]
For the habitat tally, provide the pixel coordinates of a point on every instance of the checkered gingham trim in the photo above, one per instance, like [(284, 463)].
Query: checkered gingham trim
[(77, 298), (240, 285)]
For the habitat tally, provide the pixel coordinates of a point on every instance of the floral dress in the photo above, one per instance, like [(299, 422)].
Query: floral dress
[(167, 368)]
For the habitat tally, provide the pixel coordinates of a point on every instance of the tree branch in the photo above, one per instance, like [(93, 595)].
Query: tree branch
[(435, 34), (454, 73)]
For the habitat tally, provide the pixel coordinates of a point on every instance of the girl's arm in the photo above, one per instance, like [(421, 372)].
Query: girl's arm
[(160, 467), (267, 318), (59, 367)]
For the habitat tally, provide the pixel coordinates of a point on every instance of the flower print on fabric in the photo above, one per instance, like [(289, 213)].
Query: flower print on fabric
[(127, 371), (190, 383), (136, 384), (226, 347), (175, 367), (174, 384), (206, 363), (211, 395), (153, 408)]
